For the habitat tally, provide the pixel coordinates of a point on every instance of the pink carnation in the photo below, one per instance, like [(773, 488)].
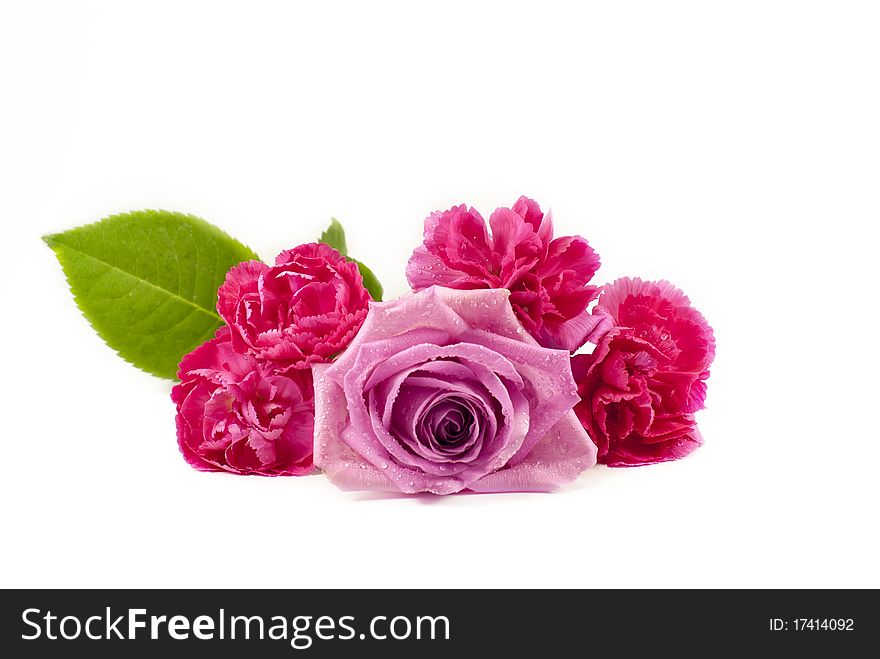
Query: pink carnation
[(234, 414), (548, 279), (303, 310), (641, 386)]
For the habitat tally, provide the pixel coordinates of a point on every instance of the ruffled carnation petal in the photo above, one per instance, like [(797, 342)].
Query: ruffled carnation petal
[(646, 378), (235, 414), (548, 279), (303, 310), (530, 211)]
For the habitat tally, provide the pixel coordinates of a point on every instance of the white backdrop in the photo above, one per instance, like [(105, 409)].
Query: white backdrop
[(733, 148)]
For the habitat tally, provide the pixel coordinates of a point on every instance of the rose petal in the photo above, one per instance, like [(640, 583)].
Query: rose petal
[(556, 460)]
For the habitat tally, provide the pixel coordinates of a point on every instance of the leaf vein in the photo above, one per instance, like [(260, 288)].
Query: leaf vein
[(211, 312)]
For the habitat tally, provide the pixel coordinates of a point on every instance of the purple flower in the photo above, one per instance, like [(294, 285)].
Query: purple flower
[(442, 391)]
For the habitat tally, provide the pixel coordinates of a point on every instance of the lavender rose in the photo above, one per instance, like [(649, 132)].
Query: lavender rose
[(444, 390)]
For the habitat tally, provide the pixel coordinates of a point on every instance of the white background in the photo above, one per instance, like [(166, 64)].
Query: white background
[(733, 148)]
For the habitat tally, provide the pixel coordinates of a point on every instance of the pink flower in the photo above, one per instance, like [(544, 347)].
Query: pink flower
[(548, 279), (442, 391), (234, 414), (646, 378), (304, 310)]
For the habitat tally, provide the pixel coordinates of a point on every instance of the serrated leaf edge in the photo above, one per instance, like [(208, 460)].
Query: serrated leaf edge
[(54, 245)]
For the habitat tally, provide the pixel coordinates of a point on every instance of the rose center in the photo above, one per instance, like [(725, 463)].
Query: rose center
[(454, 427), (450, 422)]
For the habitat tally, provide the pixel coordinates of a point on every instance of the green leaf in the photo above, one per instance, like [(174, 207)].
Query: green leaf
[(147, 282), (371, 282), (335, 237)]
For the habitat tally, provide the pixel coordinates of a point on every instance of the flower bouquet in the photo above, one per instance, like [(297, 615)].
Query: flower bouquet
[(505, 369)]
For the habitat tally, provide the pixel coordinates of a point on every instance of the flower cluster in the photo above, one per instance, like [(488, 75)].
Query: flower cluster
[(245, 402), (506, 369)]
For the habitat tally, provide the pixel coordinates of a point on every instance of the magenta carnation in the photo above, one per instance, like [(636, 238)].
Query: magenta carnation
[(641, 386), (548, 278), (303, 310), (442, 391), (234, 414)]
